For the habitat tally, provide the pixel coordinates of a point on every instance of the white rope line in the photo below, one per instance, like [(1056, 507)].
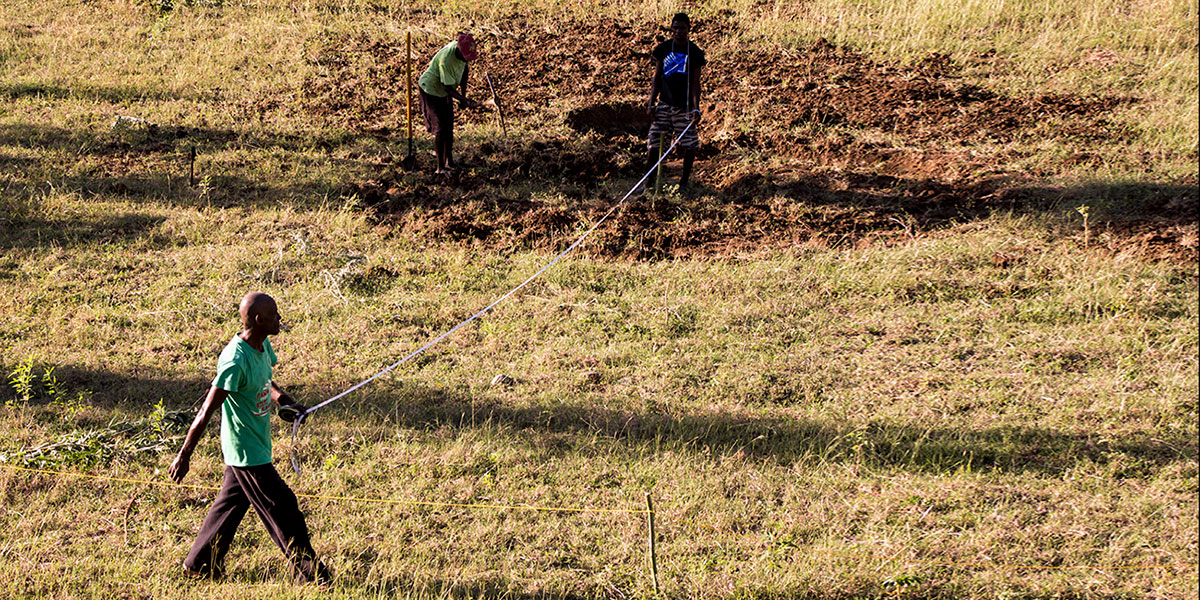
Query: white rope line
[(414, 353)]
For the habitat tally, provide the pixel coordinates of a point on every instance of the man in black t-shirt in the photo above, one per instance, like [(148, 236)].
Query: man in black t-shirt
[(675, 93)]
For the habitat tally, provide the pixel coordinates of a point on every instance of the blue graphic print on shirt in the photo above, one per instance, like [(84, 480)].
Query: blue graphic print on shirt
[(675, 63)]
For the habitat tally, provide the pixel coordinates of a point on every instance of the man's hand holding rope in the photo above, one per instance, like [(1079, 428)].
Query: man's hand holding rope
[(289, 409)]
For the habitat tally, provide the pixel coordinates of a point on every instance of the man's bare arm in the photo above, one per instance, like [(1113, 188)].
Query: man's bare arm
[(461, 98), (466, 75), (655, 87), (212, 403), (281, 397)]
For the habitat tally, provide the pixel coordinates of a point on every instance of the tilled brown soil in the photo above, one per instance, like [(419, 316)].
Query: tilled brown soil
[(808, 113)]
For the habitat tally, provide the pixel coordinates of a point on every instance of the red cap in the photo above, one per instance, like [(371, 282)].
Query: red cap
[(466, 47)]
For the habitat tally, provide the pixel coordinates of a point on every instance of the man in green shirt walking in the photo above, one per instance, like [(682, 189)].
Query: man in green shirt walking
[(437, 88), (243, 391)]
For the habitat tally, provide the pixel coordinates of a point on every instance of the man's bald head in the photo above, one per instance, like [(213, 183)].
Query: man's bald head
[(259, 312)]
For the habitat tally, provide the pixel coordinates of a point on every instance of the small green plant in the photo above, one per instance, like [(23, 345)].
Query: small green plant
[(53, 387), (681, 321), (900, 583), (75, 404), (21, 379), (161, 24), (860, 443), (205, 187), (158, 417), (60, 397)]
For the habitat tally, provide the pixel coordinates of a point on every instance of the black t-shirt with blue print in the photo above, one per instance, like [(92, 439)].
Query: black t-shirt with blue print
[(677, 63)]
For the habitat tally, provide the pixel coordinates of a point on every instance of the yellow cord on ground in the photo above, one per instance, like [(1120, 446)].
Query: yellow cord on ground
[(1002, 565), (341, 498)]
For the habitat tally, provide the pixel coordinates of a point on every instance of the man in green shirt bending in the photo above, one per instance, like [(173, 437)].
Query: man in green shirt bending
[(244, 393), (448, 70)]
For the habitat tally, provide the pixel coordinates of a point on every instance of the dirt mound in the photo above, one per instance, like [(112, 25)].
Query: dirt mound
[(611, 119), (921, 103), (758, 210)]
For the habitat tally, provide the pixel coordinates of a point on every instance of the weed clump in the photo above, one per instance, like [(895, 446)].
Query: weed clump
[(119, 440)]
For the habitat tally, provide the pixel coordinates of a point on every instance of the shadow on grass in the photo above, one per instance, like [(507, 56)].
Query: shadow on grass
[(150, 138), (83, 91), (928, 203), (565, 429), (42, 232), (121, 394), (15, 162), (156, 164)]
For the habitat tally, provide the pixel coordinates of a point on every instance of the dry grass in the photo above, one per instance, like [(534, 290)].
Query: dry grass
[(989, 409)]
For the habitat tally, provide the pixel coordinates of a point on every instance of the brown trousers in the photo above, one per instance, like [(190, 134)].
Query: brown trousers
[(438, 113), (262, 488)]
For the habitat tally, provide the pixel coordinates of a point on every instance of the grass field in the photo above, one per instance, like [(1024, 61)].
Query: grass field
[(928, 327)]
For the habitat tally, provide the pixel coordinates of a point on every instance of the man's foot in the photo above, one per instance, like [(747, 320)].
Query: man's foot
[(311, 571)]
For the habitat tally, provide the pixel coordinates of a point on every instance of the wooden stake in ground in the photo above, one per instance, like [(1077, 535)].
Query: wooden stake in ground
[(125, 521), (662, 143), (496, 99), (410, 160), (192, 167), (653, 554)]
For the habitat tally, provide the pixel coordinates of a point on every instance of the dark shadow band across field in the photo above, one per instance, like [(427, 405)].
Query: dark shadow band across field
[(567, 429), (41, 232), (82, 91), (158, 140), (910, 447)]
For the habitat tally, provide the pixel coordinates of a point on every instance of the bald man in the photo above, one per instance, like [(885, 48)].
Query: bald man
[(244, 393)]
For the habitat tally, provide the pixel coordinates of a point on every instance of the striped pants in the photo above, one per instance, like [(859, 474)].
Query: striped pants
[(671, 120)]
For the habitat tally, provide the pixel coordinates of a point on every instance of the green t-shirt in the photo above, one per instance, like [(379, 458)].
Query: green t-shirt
[(246, 413), (445, 70)]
